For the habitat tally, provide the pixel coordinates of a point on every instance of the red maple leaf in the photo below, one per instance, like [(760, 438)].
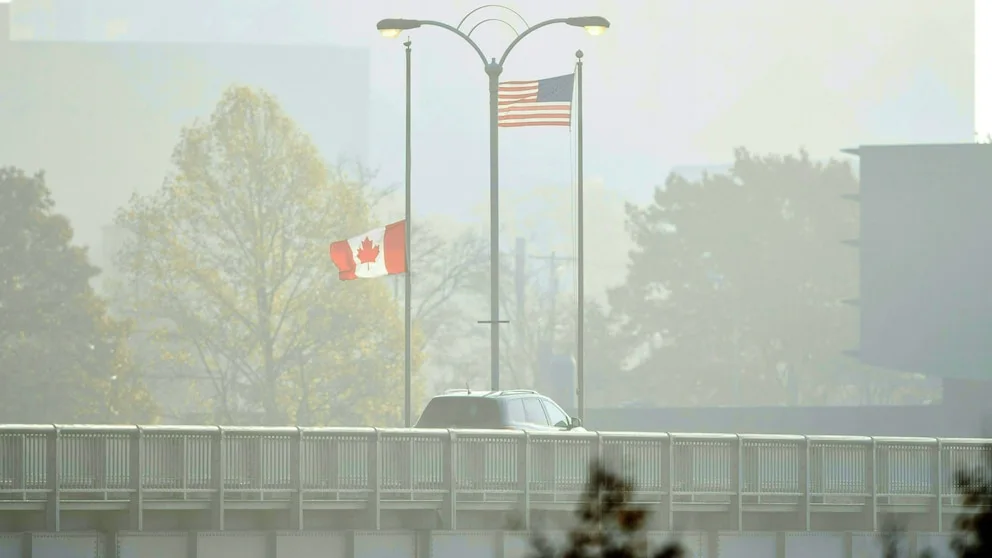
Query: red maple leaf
[(368, 252)]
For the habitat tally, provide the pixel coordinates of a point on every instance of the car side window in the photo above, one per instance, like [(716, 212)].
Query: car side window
[(515, 411), (534, 411), (558, 417)]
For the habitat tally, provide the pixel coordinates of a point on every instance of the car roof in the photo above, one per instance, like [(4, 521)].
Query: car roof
[(488, 394)]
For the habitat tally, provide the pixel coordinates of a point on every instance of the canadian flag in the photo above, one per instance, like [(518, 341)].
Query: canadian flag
[(379, 252)]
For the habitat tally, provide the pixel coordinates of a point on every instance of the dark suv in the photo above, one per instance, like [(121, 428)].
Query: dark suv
[(515, 409)]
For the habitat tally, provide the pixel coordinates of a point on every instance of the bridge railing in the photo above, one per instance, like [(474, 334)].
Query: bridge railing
[(172, 462)]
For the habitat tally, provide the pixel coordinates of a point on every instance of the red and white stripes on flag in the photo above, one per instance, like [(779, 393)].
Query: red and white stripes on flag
[(379, 252), (544, 102)]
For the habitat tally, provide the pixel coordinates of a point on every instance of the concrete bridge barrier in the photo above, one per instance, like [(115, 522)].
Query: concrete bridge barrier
[(162, 479)]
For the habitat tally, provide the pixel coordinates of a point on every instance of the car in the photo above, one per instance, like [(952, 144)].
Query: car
[(514, 409)]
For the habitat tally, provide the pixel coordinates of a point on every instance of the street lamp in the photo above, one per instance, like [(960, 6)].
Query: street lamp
[(391, 28)]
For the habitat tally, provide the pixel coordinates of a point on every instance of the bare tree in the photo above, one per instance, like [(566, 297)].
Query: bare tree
[(443, 269)]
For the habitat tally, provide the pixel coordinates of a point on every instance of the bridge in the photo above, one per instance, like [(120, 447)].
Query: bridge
[(164, 479)]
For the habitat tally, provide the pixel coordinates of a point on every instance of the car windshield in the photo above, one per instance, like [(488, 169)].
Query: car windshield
[(460, 412)]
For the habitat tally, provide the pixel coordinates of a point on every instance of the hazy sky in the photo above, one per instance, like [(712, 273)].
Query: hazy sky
[(983, 67), (674, 82)]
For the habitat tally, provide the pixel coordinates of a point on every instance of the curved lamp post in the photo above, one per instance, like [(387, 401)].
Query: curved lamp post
[(392, 28)]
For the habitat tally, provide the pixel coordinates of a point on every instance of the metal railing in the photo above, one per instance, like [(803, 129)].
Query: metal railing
[(165, 462)]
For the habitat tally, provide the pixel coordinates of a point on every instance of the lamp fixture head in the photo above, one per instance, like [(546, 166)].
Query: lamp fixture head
[(392, 28), (594, 25)]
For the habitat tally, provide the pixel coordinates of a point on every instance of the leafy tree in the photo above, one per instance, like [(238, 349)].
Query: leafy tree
[(609, 524), (442, 268), (447, 257), (236, 287), (62, 359), (974, 539), (736, 281), (605, 356)]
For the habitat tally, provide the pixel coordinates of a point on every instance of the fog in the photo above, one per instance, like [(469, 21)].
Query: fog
[(206, 154)]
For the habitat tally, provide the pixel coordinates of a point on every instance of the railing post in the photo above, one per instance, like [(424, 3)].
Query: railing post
[(871, 478), (256, 446), (597, 458), (53, 478), (597, 448), (136, 469), (449, 513), (296, 480), (523, 479), (937, 482), (804, 484), (333, 445), (668, 485), (737, 501), (218, 474), (375, 480)]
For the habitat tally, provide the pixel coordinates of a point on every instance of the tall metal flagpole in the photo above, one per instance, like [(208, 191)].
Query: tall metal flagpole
[(580, 368), (493, 70), (408, 286), (393, 27)]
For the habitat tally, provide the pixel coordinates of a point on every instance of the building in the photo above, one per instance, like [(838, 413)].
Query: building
[(924, 300), (101, 118)]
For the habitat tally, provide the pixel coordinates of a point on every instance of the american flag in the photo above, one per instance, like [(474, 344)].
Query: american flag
[(545, 102)]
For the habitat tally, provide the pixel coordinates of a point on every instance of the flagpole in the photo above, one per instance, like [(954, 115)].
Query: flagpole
[(408, 284), (580, 256)]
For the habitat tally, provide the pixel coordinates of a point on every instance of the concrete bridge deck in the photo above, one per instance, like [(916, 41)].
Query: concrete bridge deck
[(440, 544)]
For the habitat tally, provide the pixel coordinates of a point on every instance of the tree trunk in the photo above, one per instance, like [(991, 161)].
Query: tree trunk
[(273, 415)]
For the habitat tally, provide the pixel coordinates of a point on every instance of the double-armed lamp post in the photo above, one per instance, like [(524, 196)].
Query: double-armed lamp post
[(391, 28)]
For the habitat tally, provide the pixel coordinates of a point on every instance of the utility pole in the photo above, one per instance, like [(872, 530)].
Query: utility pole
[(553, 261), (520, 285)]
